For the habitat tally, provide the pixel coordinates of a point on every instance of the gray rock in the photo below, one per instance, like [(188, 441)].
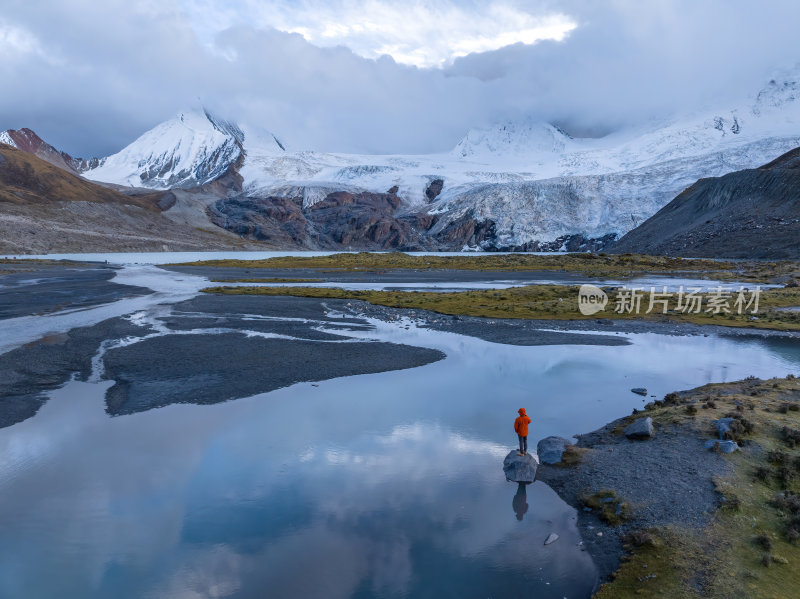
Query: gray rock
[(639, 390), (520, 468), (640, 429), (723, 426), (724, 446), (550, 449), (551, 538)]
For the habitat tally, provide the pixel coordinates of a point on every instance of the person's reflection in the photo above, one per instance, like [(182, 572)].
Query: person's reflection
[(520, 501)]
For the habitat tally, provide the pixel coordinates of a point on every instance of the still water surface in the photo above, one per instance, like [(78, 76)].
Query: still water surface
[(382, 485)]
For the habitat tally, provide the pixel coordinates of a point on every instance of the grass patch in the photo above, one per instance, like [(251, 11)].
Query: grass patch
[(544, 302), (572, 456), (662, 564), (609, 507), (597, 265)]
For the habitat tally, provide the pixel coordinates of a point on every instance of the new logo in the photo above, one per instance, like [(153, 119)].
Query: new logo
[(591, 300)]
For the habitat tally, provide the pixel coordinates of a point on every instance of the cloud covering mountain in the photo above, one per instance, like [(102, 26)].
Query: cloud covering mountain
[(374, 76)]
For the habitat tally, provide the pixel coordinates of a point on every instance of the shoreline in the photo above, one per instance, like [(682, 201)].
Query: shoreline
[(696, 511)]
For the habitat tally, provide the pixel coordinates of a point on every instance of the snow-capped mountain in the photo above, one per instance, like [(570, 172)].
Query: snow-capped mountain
[(513, 139), (530, 181), (192, 149)]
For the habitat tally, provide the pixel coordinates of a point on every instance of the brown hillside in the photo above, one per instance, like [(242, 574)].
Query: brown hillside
[(25, 178)]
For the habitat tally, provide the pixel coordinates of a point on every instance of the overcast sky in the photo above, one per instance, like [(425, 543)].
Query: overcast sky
[(378, 75)]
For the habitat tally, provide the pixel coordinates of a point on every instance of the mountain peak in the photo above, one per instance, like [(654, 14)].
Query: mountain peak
[(193, 148), (520, 138), (28, 141), (781, 90), (190, 149)]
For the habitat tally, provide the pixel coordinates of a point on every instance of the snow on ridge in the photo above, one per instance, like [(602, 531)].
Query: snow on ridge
[(190, 149), (517, 138), (5, 138), (532, 179), (193, 148), (199, 146)]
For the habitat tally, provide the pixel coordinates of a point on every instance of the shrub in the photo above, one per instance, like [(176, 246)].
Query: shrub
[(739, 427), (785, 475), (791, 436), (787, 502), (730, 501), (762, 473), (639, 538), (778, 457), (792, 534), (764, 542)]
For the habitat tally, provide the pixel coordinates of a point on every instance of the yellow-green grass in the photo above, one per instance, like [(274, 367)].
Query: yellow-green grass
[(37, 261), (597, 265), (572, 456), (543, 302), (745, 550), (610, 508)]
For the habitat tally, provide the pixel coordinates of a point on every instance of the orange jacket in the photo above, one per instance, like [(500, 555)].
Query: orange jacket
[(521, 423)]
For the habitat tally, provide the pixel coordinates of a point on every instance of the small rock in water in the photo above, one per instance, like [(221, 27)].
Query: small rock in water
[(551, 538), (639, 390), (520, 468), (640, 429)]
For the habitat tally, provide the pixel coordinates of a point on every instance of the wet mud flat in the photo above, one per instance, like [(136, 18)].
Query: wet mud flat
[(517, 331), (205, 350), (31, 287), (215, 350)]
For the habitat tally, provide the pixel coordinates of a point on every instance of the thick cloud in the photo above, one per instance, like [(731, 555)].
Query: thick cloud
[(89, 76)]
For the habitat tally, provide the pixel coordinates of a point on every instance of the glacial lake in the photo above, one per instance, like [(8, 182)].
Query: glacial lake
[(380, 485)]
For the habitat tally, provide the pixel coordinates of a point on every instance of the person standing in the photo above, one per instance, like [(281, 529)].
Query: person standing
[(521, 428)]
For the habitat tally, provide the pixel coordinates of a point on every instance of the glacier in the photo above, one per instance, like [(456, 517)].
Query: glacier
[(532, 180)]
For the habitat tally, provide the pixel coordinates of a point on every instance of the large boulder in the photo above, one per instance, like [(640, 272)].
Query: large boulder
[(640, 429), (550, 449), (723, 426), (520, 468), (722, 446)]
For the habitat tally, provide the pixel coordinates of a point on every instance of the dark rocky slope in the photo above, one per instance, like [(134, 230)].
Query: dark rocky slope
[(344, 220), (753, 213)]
